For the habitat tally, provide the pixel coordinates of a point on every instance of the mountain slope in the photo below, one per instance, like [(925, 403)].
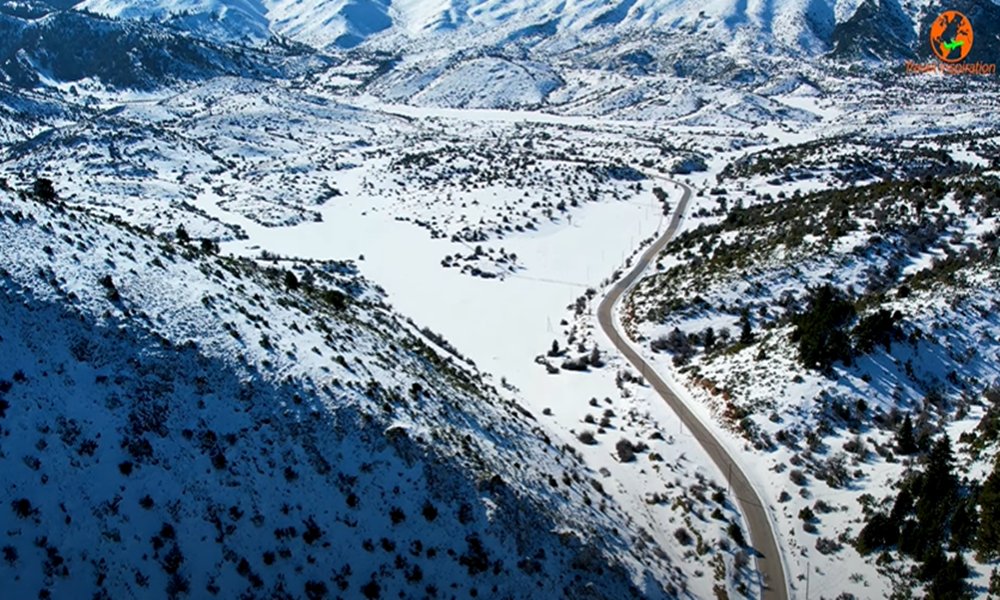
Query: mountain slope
[(811, 326), (310, 443), (66, 46), (804, 25)]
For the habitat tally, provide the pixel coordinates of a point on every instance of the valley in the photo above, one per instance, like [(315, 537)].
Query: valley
[(498, 300)]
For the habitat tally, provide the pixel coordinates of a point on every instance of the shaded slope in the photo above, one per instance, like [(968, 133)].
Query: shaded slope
[(174, 423)]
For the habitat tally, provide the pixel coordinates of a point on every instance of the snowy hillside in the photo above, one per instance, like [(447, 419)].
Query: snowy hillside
[(179, 423), (812, 324), (53, 47)]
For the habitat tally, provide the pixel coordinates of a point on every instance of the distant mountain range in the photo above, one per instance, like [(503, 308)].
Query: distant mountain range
[(147, 43), (808, 26)]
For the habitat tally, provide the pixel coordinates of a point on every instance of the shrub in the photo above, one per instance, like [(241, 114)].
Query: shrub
[(22, 508), (798, 477), (335, 298), (587, 437), (683, 536), (312, 532), (429, 511), (177, 585), (834, 471), (415, 575), (125, 467), (878, 329), (43, 189), (397, 515), (827, 546), (857, 447), (576, 364), (219, 460), (10, 555), (316, 590), (626, 451), (807, 514), (172, 561), (736, 534), (371, 590), (475, 559)]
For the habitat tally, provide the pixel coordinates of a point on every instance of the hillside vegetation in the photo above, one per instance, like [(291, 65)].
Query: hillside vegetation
[(845, 334)]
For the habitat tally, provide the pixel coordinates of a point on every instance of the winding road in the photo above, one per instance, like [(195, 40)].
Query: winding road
[(762, 535)]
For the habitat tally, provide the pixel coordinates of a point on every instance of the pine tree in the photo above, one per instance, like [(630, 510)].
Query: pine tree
[(988, 536), (746, 332), (938, 493), (906, 443), (182, 235), (291, 281), (964, 522), (949, 581), (595, 357), (708, 339)]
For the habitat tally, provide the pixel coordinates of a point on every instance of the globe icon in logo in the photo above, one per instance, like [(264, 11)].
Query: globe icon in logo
[(951, 36)]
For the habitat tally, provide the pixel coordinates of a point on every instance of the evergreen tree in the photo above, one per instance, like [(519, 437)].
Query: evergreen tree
[(964, 522), (746, 332), (988, 535), (877, 533), (708, 339), (43, 189), (906, 443), (949, 581), (291, 281), (182, 235), (821, 330), (938, 493), (595, 357)]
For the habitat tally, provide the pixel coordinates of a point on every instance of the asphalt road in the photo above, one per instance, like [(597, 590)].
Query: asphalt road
[(762, 537)]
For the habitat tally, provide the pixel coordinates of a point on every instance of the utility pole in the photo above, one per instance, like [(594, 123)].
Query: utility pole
[(808, 569)]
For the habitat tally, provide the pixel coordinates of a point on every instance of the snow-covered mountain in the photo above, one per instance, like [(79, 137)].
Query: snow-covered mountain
[(43, 45), (803, 25)]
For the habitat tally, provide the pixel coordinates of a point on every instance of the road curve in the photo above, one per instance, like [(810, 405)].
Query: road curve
[(761, 534)]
